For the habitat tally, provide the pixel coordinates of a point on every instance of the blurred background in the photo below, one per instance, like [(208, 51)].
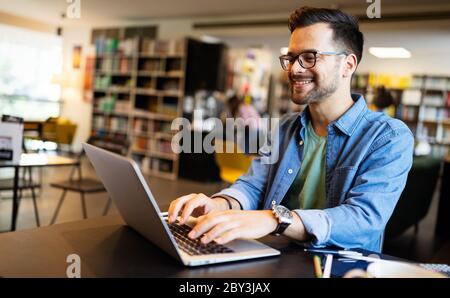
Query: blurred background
[(116, 73)]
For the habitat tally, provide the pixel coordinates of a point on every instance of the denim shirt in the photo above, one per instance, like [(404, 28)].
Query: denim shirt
[(368, 157)]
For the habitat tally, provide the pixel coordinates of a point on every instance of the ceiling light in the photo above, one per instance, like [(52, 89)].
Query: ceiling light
[(210, 39), (389, 53)]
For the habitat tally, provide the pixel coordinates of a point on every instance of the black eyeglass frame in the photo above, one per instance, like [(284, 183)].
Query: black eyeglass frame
[(291, 59)]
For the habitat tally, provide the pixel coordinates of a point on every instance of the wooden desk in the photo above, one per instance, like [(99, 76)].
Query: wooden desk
[(107, 248), (28, 160)]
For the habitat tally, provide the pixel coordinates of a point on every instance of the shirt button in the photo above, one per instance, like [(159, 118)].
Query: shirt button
[(290, 171), (300, 143)]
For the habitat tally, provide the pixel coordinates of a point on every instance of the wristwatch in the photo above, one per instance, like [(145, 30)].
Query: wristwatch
[(284, 217)]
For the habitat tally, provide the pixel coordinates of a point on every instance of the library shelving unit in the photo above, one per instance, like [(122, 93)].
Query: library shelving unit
[(423, 104), (138, 91)]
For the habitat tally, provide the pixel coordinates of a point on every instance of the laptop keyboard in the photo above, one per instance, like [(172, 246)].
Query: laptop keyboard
[(194, 247)]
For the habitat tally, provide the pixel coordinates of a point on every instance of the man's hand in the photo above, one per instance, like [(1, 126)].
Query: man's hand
[(226, 226), (194, 205)]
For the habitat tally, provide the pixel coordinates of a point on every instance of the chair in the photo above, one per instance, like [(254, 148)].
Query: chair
[(232, 165), (59, 130), (82, 185), (416, 198)]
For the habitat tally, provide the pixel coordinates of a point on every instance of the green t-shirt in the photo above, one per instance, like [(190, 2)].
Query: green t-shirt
[(308, 189)]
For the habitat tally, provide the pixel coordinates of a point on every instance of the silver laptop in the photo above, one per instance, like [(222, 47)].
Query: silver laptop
[(128, 189)]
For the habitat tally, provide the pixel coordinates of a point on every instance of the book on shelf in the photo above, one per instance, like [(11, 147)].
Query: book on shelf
[(126, 47), (162, 47), (446, 135), (433, 99), (114, 65), (411, 97), (432, 114), (102, 82), (436, 83), (141, 126), (119, 124), (165, 146), (116, 124), (408, 113), (149, 65)]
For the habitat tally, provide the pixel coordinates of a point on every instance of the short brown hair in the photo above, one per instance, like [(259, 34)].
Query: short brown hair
[(345, 27)]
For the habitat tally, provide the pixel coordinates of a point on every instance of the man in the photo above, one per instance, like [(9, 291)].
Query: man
[(341, 168)]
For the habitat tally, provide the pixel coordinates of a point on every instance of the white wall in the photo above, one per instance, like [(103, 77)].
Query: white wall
[(76, 107)]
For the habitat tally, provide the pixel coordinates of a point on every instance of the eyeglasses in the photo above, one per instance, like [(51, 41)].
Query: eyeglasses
[(306, 59)]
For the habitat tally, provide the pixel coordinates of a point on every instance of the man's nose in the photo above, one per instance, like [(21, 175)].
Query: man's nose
[(297, 67)]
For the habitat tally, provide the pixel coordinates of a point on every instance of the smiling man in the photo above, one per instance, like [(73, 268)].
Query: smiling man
[(342, 167)]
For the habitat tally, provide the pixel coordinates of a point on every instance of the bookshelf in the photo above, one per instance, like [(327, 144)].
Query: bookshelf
[(138, 91), (421, 101)]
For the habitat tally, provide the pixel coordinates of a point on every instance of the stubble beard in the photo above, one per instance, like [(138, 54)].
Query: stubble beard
[(319, 92)]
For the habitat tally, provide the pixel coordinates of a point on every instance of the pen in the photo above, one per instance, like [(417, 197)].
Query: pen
[(334, 252), (327, 267), (317, 266)]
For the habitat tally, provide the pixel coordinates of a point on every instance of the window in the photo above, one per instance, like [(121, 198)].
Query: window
[(28, 61)]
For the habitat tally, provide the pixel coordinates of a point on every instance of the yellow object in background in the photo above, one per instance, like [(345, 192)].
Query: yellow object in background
[(59, 130), (232, 164), (389, 81)]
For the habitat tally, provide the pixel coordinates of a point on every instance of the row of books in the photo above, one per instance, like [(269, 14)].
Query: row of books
[(150, 65), (163, 146), (125, 47), (411, 97), (428, 113), (105, 81), (361, 81), (141, 125), (105, 104), (114, 64), (407, 113), (414, 97), (439, 134), (438, 83), (162, 47), (141, 143), (110, 123), (435, 99), (163, 126)]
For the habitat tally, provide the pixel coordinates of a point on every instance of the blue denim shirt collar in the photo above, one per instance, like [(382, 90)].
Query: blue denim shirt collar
[(347, 122)]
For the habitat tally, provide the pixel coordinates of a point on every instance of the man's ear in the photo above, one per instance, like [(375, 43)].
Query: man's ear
[(350, 64)]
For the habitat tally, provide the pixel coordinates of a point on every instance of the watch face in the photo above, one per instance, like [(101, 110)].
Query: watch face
[(283, 212)]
